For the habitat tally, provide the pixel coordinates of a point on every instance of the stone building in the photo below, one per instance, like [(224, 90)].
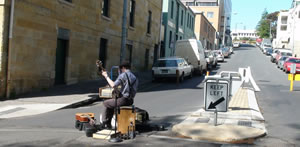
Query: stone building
[(52, 42), (218, 12), (178, 23), (205, 31)]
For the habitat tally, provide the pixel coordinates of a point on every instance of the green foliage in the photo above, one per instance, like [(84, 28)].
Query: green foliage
[(263, 26)]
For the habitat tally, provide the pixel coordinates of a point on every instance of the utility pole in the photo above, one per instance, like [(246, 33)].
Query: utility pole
[(225, 18), (124, 31)]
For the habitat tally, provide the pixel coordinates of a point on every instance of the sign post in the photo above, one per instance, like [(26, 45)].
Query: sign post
[(216, 95)]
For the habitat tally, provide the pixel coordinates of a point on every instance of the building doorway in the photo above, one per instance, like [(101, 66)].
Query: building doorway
[(60, 64)]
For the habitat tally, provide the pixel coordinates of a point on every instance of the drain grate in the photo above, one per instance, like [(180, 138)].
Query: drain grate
[(245, 123), (202, 120)]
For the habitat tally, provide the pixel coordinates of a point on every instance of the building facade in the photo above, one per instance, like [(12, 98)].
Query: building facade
[(204, 31), (178, 22), (240, 34), (215, 11), (288, 28), (48, 43), (294, 28), (281, 40)]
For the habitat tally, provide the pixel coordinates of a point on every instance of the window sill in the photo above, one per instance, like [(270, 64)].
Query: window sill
[(148, 35), (106, 18), (66, 3), (131, 28)]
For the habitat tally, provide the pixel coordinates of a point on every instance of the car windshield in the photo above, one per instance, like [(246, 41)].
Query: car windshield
[(286, 54), (166, 63), (294, 60), (270, 50)]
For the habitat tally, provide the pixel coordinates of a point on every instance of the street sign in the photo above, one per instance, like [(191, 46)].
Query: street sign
[(293, 68), (216, 95)]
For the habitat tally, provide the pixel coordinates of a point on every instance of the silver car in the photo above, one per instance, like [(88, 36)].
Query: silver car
[(281, 62), (219, 55)]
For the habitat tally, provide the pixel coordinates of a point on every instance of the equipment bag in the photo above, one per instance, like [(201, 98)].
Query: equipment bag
[(142, 116)]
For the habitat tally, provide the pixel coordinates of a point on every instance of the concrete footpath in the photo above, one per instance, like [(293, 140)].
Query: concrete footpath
[(242, 123), (59, 97)]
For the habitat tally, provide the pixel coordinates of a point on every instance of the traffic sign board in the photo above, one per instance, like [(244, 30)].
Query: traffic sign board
[(216, 95)]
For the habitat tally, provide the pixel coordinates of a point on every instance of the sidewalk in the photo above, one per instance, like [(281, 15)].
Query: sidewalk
[(59, 97), (241, 124)]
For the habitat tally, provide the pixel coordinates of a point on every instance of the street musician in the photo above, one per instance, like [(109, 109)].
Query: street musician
[(129, 83)]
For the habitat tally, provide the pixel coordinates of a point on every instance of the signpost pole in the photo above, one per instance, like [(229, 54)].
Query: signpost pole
[(292, 82), (216, 117)]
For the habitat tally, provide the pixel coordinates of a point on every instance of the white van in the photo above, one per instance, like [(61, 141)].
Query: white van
[(193, 52)]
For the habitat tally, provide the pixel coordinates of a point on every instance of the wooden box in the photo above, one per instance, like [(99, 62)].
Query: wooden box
[(105, 92), (126, 119)]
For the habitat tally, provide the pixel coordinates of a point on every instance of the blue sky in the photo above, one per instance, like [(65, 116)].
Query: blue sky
[(249, 11)]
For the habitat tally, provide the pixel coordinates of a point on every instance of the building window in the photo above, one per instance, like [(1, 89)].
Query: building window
[(147, 53), (190, 3), (192, 23), (172, 7), (70, 1), (283, 28), (181, 17), (170, 39), (188, 20), (103, 51), (149, 22), (132, 13), (180, 37), (207, 4), (105, 8), (210, 14)]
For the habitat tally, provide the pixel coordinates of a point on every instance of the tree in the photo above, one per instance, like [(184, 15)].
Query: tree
[(263, 26), (273, 17)]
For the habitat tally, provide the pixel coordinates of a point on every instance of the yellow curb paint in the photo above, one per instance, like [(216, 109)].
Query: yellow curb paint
[(292, 85)]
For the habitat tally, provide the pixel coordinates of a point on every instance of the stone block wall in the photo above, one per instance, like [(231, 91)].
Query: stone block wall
[(32, 55)]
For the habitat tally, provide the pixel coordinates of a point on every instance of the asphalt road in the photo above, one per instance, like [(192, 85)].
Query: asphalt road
[(167, 104)]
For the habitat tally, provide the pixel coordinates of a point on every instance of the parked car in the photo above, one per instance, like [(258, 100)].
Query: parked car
[(236, 45), (219, 54), (288, 62), (273, 55), (193, 52), (167, 68), (264, 46), (209, 59), (225, 51), (281, 62), (269, 51), (282, 53), (230, 50), (265, 49)]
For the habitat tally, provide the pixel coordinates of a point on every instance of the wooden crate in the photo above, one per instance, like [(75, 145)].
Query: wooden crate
[(126, 119)]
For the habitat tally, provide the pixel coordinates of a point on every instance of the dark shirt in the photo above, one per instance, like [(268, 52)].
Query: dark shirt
[(123, 81)]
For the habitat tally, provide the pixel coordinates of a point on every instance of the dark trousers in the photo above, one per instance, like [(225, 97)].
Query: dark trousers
[(110, 105)]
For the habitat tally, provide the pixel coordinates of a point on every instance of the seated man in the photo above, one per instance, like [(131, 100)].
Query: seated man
[(129, 84)]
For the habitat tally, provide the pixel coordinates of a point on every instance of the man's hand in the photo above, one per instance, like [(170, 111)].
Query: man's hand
[(104, 74)]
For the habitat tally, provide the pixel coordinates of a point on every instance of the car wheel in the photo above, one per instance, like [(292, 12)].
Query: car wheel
[(286, 71), (181, 79), (191, 74)]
